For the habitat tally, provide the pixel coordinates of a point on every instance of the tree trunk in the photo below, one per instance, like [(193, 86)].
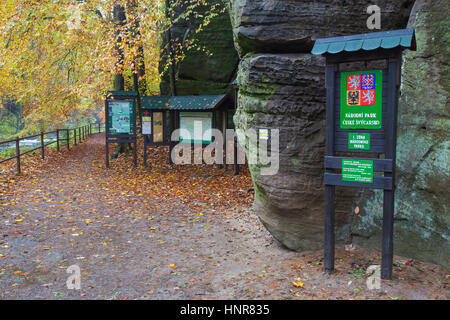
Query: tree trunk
[(173, 88), (119, 81), (139, 83)]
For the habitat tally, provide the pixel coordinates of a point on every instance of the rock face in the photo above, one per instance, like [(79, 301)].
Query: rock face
[(423, 147), (292, 25), (282, 87), (200, 73)]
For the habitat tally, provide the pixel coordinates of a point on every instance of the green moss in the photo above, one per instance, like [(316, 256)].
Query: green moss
[(295, 161), (209, 70), (247, 45)]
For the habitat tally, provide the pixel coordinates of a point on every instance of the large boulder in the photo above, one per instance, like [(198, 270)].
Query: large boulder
[(281, 86), (286, 92)]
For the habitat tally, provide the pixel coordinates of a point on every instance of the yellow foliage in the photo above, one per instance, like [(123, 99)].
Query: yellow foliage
[(58, 58)]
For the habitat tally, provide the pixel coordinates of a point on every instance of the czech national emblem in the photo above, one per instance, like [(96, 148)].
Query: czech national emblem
[(361, 89), (353, 98)]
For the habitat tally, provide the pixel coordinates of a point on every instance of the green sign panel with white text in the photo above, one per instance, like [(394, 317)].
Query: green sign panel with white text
[(357, 170), (359, 141), (361, 99)]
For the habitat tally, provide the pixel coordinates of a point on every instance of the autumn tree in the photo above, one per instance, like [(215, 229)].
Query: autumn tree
[(59, 58)]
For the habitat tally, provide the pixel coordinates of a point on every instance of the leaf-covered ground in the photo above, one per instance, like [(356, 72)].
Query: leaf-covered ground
[(165, 232)]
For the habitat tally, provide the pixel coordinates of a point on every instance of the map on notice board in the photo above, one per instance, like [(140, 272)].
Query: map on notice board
[(120, 116)]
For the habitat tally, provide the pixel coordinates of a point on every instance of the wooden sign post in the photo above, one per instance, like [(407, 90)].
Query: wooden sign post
[(361, 117), (120, 118)]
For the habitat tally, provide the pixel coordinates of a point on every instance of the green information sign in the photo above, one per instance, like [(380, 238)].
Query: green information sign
[(359, 141), (120, 116), (357, 170), (196, 127), (361, 99)]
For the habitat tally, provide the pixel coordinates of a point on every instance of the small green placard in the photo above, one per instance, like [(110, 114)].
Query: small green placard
[(361, 99), (359, 141), (357, 170)]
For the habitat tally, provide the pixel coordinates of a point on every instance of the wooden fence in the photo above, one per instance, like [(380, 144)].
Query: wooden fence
[(64, 137)]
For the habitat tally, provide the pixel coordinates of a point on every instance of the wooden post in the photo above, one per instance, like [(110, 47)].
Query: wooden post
[(219, 125), (57, 140), (236, 165), (68, 139), (107, 154), (135, 153), (329, 237), (106, 133), (172, 121), (17, 155), (145, 151), (388, 200), (42, 145)]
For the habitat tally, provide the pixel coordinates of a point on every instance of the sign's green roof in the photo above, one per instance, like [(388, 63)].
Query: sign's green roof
[(182, 102), (123, 93), (368, 41)]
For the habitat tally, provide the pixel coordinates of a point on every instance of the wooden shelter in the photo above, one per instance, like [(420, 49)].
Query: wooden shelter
[(162, 115)]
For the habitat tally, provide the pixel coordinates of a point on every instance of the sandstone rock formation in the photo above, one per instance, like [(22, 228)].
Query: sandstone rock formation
[(200, 73), (282, 86)]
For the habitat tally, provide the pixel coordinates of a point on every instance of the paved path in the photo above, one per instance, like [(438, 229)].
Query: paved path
[(162, 233)]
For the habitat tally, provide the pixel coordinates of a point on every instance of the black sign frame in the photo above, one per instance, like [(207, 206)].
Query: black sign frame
[(112, 137), (384, 142)]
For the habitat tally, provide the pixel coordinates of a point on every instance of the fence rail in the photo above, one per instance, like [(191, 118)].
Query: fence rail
[(64, 137)]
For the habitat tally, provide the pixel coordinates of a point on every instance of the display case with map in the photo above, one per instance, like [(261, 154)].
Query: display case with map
[(121, 116), (120, 111)]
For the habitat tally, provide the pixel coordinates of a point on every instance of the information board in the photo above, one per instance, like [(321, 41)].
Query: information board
[(146, 125), (120, 116), (361, 99), (198, 124), (120, 110), (361, 117), (354, 170), (158, 127)]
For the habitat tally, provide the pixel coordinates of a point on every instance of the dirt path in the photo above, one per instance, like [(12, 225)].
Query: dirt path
[(166, 233)]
